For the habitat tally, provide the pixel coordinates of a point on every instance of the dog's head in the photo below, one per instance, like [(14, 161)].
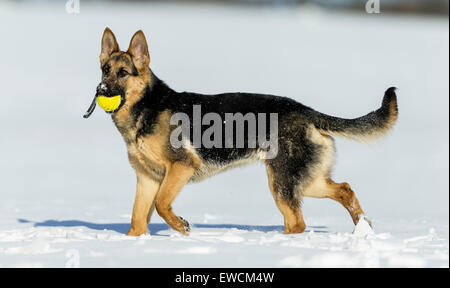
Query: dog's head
[(125, 74)]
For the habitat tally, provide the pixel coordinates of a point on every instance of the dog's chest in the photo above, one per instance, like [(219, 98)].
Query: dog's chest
[(145, 153), (146, 157)]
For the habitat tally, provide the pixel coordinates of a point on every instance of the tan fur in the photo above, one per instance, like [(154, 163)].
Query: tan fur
[(195, 160), (176, 177), (146, 156), (138, 49), (206, 170), (149, 155), (327, 153), (146, 191), (109, 46), (323, 187), (293, 217), (154, 147), (134, 87)]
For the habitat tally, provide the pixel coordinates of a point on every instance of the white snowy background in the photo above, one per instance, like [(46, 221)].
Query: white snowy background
[(67, 189)]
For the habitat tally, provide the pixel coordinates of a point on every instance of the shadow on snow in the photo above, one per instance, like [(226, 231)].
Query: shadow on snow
[(155, 228)]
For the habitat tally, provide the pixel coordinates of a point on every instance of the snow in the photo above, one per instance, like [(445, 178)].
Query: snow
[(67, 189), (362, 228), (214, 246)]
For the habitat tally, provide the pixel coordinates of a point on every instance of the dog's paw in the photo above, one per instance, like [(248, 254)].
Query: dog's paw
[(136, 233), (368, 221), (187, 227)]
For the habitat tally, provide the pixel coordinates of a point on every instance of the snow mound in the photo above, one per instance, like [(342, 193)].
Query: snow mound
[(363, 228)]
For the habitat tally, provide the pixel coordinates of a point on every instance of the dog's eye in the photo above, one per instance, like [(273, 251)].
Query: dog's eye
[(106, 71), (122, 73)]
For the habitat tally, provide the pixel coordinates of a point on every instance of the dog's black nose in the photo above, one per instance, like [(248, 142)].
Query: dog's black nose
[(102, 89)]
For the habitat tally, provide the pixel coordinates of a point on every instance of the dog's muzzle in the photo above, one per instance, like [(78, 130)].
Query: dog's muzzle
[(109, 103)]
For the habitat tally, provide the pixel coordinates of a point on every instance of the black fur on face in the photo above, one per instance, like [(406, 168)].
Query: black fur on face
[(115, 73)]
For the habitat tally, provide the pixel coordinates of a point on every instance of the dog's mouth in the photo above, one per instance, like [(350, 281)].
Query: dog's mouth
[(109, 103)]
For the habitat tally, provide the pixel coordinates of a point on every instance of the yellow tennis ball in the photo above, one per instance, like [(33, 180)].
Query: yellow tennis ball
[(109, 104)]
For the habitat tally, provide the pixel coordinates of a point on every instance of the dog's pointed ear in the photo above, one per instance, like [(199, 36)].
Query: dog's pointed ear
[(139, 50), (109, 45)]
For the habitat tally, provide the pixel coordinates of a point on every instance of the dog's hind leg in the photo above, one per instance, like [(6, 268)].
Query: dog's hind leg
[(176, 177), (290, 208), (324, 187), (146, 191)]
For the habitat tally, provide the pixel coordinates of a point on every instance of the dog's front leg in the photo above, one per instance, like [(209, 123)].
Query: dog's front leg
[(146, 191), (177, 175)]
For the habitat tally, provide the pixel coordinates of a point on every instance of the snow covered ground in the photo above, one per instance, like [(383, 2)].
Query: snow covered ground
[(67, 189)]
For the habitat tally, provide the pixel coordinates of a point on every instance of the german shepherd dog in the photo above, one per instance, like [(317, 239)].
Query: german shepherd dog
[(300, 169)]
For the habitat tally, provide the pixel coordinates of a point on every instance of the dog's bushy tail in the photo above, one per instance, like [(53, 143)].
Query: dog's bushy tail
[(362, 129)]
